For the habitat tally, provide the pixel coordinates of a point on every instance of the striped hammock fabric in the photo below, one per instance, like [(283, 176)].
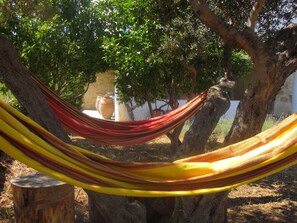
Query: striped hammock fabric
[(117, 133), (267, 153)]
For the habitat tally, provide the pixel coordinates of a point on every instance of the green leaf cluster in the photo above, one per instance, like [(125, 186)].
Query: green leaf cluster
[(61, 45), (152, 43)]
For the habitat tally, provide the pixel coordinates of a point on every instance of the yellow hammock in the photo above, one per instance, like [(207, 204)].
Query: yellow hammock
[(252, 159)]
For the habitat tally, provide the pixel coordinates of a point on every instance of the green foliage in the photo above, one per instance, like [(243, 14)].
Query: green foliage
[(3, 89), (224, 126), (152, 43), (62, 48), (275, 16), (130, 47), (240, 63), (8, 97), (269, 122)]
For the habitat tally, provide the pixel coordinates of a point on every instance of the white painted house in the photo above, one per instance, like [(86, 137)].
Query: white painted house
[(286, 100)]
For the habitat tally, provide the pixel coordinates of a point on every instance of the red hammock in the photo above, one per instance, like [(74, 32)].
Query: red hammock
[(117, 133)]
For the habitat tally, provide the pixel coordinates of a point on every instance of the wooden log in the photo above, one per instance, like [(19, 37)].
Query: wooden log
[(39, 198)]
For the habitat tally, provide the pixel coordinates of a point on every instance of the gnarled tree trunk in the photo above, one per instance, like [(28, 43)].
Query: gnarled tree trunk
[(274, 60), (272, 65), (180, 209), (209, 207)]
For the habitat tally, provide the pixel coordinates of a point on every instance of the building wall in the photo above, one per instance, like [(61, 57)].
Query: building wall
[(241, 84), (104, 84), (294, 92), (283, 100)]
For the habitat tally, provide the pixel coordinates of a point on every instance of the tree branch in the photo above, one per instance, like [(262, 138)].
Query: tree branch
[(255, 13), (191, 70), (245, 39)]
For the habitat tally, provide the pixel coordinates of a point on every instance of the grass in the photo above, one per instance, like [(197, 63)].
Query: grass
[(224, 126), (4, 98), (269, 122)]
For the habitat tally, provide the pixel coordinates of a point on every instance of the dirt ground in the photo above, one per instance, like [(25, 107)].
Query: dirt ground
[(272, 199)]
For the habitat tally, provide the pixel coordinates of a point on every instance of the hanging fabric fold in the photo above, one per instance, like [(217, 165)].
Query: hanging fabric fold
[(118, 133)]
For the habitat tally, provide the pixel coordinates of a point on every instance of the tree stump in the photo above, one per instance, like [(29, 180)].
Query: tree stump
[(39, 198)]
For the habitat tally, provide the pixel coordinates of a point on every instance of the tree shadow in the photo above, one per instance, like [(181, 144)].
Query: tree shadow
[(147, 152), (238, 201), (284, 183), (5, 161), (281, 215), (277, 205)]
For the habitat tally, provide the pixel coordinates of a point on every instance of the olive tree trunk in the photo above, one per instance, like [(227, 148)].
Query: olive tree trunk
[(185, 209), (273, 60), (209, 207)]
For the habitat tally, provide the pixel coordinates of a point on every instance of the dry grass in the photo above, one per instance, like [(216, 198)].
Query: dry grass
[(13, 169)]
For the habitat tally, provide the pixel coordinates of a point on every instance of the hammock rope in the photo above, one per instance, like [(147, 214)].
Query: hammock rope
[(117, 133), (267, 153)]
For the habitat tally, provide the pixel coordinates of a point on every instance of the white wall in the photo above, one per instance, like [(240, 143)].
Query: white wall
[(230, 114), (294, 92), (142, 112)]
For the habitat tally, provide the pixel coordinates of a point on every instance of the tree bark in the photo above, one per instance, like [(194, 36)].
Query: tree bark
[(273, 61), (272, 68), (38, 198), (174, 138), (17, 79), (114, 209), (227, 62), (218, 102), (210, 208)]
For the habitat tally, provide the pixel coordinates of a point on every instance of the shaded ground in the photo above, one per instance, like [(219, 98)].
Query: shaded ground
[(272, 199)]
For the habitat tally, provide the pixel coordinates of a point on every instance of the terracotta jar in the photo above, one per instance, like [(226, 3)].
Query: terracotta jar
[(105, 106), (158, 112)]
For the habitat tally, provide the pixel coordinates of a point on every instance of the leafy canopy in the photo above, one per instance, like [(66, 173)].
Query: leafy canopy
[(153, 44), (58, 40)]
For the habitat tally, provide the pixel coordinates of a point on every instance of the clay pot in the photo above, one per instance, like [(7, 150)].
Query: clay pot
[(105, 106), (158, 112)]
